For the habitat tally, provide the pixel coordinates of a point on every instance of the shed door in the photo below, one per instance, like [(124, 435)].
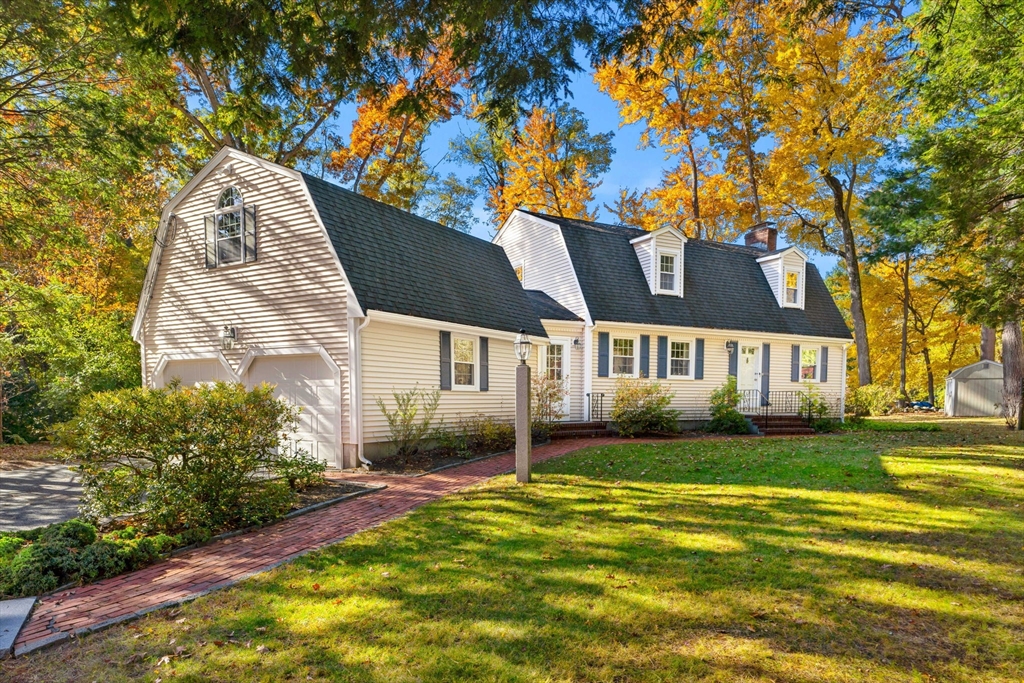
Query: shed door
[(309, 383)]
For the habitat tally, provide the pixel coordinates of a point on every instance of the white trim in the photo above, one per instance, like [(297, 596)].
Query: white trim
[(561, 238), (588, 368), (636, 355), (800, 286), (355, 380), (157, 379), (652, 234), (817, 365), (313, 350), (454, 328), (780, 254), (668, 360), (714, 332), (656, 269), (842, 388), (475, 386), (566, 344)]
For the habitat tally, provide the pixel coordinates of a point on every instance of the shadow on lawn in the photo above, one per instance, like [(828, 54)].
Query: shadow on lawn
[(797, 561)]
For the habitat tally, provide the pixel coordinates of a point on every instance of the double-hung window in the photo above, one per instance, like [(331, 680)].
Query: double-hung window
[(667, 273), (792, 288), (230, 231), (809, 364), (623, 359), (464, 357), (554, 362), (679, 359)]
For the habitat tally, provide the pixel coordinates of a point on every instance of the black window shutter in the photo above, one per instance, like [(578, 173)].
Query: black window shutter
[(211, 242), (794, 375), (249, 230), (734, 357), (603, 342), (766, 364), (483, 364), (823, 361), (698, 360), (446, 361), (662, 357), (645, 355)]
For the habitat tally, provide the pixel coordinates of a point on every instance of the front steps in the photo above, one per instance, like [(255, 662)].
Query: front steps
[(782, 425), (579, 430)]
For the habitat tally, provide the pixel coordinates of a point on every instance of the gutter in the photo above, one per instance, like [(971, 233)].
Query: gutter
[(357, 341)]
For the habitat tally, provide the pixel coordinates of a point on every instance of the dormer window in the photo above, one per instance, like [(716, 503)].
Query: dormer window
[(520, 269), (230, 231), (793, 287), (667, 273)]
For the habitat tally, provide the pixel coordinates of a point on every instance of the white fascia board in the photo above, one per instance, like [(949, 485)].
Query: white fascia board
[(708, 331), (668, 228), (780, 254), (427, 323)]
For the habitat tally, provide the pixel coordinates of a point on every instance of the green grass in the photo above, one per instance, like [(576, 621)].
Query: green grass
[(907, 423), (867, 556)]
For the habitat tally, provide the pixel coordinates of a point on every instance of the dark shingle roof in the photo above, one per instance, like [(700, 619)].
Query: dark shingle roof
[(549, 309), (723, 286), (401, 263)]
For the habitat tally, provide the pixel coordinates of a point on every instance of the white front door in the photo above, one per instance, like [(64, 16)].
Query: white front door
[(748, 376), (555, 365)]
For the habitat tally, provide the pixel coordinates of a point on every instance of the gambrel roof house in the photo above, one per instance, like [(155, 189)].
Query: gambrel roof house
[(261, 273)]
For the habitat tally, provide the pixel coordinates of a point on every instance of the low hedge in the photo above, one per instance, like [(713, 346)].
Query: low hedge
[(41, 560)]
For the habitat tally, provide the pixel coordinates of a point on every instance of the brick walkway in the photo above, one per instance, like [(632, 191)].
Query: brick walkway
[(223, 563)]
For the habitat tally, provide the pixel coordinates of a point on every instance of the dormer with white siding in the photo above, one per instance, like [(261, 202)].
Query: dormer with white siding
[(786, 272), (661, 256)]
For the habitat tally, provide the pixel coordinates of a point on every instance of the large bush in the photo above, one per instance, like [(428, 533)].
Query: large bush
[(476, 435), (209, 457), (641, 406), (725, 418), (871, 399)]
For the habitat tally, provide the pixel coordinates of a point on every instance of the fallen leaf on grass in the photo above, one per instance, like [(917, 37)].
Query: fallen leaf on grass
[(262, 648), (316, 586)]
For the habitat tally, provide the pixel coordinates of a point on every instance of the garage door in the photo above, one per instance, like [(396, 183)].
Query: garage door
[(307, 382), (193, 372)]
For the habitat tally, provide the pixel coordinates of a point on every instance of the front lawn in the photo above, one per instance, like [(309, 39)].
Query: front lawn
[(866, 556)]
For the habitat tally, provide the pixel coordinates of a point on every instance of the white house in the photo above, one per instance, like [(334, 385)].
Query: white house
[(261, 273)]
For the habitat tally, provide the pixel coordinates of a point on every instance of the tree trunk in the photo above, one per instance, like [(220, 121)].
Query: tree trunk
[(931, 374), (906, 326), (695, 194), (860, 323), (988, 343), (1013, 370)]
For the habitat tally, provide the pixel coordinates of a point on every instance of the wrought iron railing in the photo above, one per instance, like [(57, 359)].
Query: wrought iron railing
[(807, 404), (596, 407)]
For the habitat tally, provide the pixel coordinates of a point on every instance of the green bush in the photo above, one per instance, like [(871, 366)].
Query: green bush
[(412, 419), (302, 470), (101, 559), (183, 458), (38, 568), (9, 547), (477, 434), (725, 418), (826, 425), (642, 407), (74, 533), (871, 399)]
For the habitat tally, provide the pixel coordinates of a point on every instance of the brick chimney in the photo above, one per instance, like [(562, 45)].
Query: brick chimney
[(763, 236)]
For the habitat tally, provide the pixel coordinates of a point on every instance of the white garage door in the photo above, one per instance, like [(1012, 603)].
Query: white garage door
[(193, 372), (307, 382)]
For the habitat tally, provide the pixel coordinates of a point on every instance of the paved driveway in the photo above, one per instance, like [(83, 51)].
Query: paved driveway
[(37, 496)]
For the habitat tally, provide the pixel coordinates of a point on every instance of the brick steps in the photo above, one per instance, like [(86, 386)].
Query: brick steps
[(782, 425), (580, 430)]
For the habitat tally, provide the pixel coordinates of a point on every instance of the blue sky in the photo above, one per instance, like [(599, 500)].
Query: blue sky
[(631, 167)]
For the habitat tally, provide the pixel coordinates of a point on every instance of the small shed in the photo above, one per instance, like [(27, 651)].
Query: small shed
[(975, 390)]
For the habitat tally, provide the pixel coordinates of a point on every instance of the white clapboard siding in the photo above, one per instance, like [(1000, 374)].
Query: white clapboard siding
[(773, 273), (794, 261), (577, 369), (538, 245), (293, 295), (401, 357), (688, 392)]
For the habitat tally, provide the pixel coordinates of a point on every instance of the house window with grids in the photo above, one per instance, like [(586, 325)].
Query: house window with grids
[(554, 362), (622, 356), (679, 359), (809, 364), (792, 288), (667, 273), (230, 231), (465, 362)]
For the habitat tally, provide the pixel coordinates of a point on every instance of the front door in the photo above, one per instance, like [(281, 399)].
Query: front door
[(555, 366), (748, 376)]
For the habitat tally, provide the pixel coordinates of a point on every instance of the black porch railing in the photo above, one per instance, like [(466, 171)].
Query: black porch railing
[(596, 407), (809, 405)]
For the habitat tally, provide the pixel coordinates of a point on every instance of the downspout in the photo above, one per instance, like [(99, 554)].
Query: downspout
[(842, 388), (357, 406), (588, 369)]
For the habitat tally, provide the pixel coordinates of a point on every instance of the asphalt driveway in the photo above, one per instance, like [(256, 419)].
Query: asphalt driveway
[(36, 496)]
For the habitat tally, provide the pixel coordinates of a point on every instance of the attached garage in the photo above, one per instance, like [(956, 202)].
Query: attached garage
[(193, 370), (310, 380)]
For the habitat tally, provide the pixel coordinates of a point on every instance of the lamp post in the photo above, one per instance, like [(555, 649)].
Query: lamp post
[(524, 435)]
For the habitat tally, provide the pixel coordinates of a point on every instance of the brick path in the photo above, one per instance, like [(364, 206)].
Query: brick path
[(228, 561)]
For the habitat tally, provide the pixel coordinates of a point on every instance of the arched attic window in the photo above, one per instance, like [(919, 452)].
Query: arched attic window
[(230, 231)]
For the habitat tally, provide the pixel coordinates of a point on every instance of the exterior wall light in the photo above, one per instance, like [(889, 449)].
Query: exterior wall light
[(228, 335), (522, 346)]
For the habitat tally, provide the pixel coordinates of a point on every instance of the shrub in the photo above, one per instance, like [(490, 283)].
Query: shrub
[(411, 420), (101, 559), (38, 568), (478, 434), (9, 547), (302, 470), (548, 398), (725, 418), (871, 399), (641, 407), (177, 458), (813, 404), (74, 533), (825, 425)]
